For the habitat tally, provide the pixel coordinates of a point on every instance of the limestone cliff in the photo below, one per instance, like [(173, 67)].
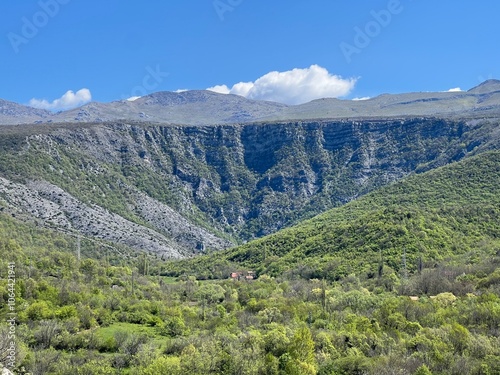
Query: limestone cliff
[(179, 190)]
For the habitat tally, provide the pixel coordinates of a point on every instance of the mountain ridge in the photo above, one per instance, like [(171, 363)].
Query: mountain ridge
[(202, 107), (218, 177)]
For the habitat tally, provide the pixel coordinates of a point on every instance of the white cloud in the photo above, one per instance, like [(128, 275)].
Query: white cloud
[(456, 89), (133, 98), (221, 89), (363, 98), (292, 87), (68, 101)]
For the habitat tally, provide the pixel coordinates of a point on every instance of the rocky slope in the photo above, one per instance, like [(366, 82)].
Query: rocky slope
[(168, 234), (179, 190), (13, 113)]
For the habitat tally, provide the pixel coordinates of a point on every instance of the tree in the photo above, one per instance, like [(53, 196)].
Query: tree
[(163, 365), (89, 268), (46, 333), (143, 265), (301, 351), (209, 293), (276, 341), (45, 361), (192, 361), (270, 315), (132, 344), (459, 337), (174, 326), (39, 311)]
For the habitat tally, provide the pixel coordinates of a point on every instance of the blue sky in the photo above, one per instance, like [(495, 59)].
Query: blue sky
[(116, 49)]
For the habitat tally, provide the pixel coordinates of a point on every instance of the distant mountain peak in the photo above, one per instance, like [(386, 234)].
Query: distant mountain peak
[(491, 85), (15, 110), (182, 97)]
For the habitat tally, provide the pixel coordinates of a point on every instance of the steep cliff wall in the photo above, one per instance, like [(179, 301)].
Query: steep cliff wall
[(206, 187)]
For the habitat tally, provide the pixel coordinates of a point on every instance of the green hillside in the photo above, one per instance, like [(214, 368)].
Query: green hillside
[(424, 218), (107, 314)]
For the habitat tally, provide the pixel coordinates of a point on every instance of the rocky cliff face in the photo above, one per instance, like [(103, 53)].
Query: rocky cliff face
[(179, 190)]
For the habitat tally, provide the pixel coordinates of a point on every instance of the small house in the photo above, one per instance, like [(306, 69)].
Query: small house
[(243, 275)]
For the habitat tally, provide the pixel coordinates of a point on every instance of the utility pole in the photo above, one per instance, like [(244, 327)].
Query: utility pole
[(78, 249), (323, 295), (420, 259), (133, 286), (405, 269)]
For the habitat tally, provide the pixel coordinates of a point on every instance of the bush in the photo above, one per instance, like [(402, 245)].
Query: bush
[(40, 310), (163, 365)]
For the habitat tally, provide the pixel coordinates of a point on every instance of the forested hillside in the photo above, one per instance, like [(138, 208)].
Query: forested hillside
[(422, 219), (335, 306)]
